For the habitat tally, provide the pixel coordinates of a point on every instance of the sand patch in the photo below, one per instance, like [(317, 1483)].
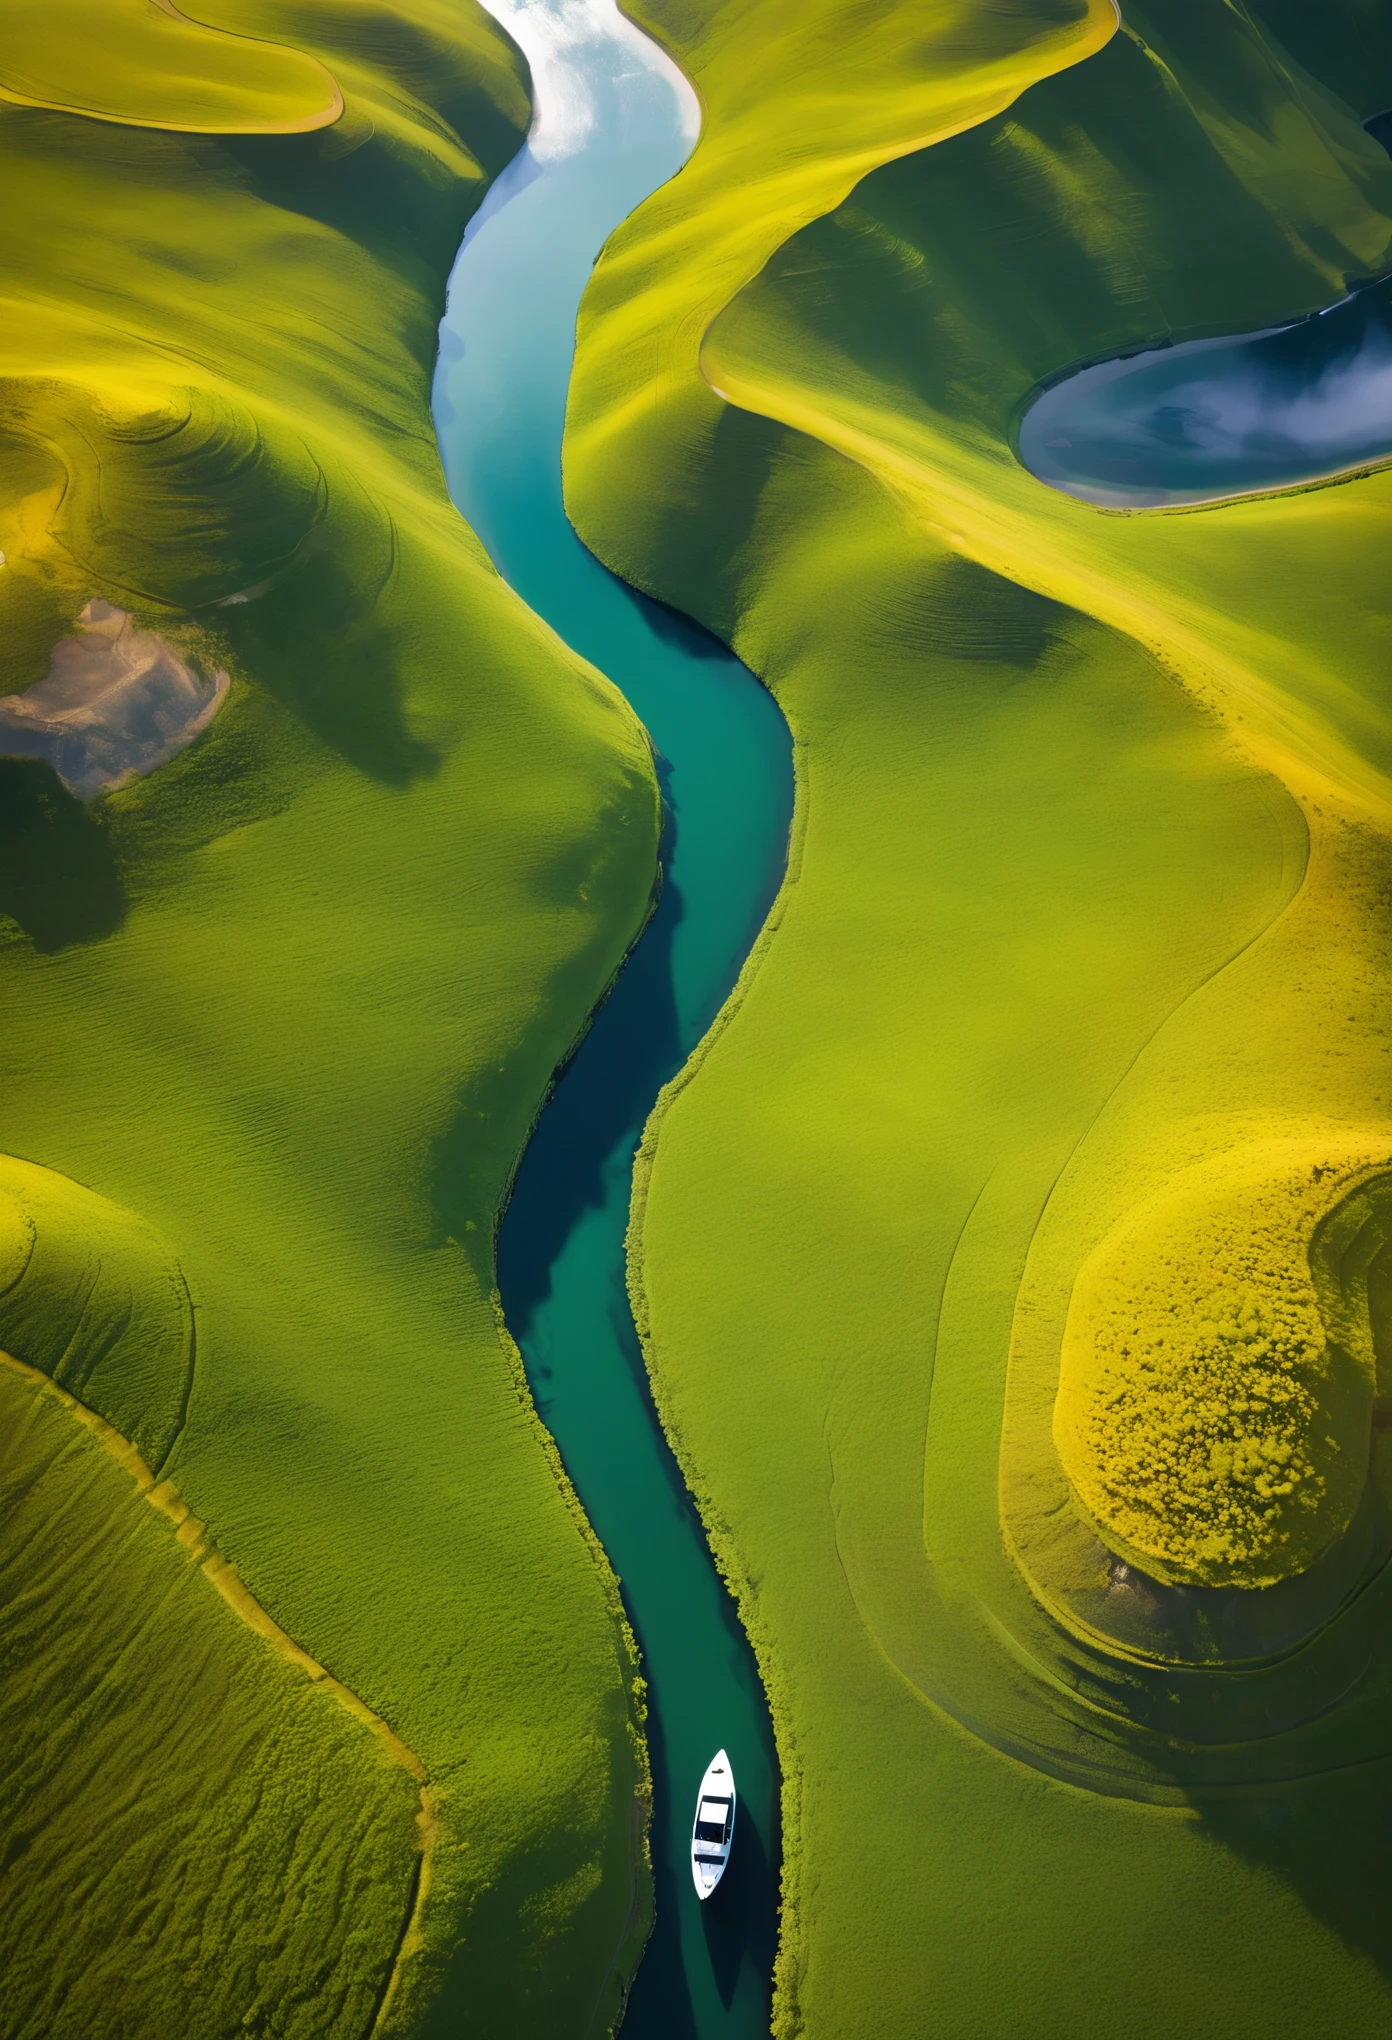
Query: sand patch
[(115, 703)]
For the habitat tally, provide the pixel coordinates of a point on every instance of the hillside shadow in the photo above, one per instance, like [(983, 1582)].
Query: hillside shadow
[(360, 184), (694, 544), (320, 643), (1326, 1837), (670, 627), (59, 877)]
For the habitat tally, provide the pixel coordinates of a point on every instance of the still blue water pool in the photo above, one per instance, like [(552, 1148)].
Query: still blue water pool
[(1209, 419)]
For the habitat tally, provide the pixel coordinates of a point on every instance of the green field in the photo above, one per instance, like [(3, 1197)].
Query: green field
[(124, 1669), (1026, 1214), (277, 1021), (1087, 905)]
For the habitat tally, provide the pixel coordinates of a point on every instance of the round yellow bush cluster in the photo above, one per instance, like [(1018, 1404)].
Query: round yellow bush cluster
[(1202, 1432), (1212, 1429)]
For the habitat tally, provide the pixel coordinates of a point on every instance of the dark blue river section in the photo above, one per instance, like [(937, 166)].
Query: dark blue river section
[(609, 130)]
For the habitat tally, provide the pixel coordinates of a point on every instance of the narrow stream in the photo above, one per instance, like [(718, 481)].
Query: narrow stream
[(614, 119)]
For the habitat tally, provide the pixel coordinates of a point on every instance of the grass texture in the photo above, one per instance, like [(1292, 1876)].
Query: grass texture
[(277, 1022), (244, 1756), (1081, 962), (144, 63), (1212, 1420)]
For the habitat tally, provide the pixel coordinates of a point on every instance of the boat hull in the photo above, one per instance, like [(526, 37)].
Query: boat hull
[(713, 1829)]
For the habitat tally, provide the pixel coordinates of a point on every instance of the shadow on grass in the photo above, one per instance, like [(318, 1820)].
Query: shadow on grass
[(320, 643), (58, 873), (1326, 1837)]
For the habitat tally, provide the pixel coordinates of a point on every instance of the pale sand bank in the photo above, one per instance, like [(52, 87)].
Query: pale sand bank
[(114, 703)]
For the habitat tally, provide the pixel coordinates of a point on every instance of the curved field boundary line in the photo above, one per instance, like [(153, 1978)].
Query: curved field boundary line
[(191, 1533), (311, 122), (790, 198)]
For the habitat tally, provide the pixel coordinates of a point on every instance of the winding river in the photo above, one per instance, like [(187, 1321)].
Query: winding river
[(613, 120)]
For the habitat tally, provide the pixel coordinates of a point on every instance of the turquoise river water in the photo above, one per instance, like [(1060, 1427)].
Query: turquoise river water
[(614, 119)]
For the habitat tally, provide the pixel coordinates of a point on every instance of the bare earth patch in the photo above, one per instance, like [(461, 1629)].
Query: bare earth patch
[(114, 703)]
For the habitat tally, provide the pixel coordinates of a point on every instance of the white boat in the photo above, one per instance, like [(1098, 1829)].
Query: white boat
[(714, 1826)]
